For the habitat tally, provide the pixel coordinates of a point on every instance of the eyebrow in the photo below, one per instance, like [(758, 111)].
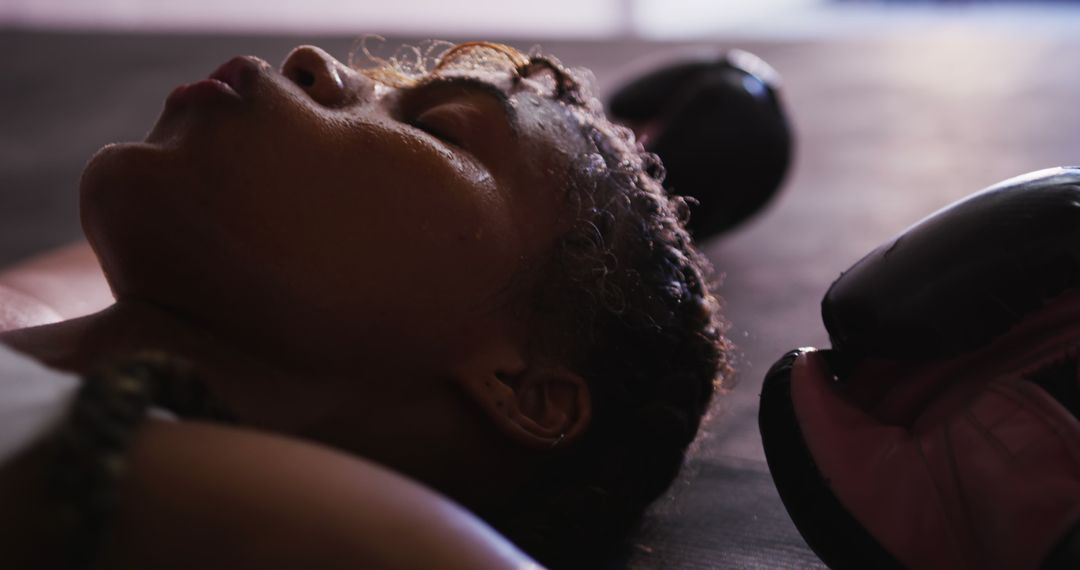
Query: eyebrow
[(433, 86)]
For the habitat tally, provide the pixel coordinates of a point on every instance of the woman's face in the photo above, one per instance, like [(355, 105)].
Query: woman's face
[(310, 211)]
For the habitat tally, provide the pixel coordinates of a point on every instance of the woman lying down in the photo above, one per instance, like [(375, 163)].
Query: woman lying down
[(358, 312)]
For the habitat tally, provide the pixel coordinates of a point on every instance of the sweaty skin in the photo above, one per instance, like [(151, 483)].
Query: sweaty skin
[(340, 260)]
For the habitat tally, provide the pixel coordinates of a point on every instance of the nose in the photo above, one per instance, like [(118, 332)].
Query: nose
[(325, 79)]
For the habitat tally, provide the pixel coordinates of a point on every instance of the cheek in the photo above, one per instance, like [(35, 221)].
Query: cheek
[(341, 222), (314, 215)]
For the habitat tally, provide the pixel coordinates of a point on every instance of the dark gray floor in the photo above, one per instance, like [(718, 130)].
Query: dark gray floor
[(889, 130)]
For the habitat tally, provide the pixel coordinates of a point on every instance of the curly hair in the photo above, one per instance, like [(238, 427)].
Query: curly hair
[(647, 337)]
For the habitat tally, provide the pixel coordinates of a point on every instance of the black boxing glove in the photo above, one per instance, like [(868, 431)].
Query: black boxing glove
[(942, 431), (719, 126)]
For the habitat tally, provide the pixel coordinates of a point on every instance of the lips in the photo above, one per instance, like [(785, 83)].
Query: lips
[(227, 88), (229, 83), (200, 92), (239, 72)]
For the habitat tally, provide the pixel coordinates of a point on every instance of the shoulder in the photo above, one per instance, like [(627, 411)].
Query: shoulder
[(252, 499), (212, 497)]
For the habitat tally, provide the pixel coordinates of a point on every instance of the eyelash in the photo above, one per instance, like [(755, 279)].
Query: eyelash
[(435, 132)]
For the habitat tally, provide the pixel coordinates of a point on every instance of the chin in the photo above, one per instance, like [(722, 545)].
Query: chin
[(124, 205), (115, 167)]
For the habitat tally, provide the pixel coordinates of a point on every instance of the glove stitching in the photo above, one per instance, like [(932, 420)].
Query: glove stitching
[(953, 539), (964, 502)]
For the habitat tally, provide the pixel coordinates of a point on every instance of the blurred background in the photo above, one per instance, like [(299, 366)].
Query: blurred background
[(580, 19), (899, 108), (78, 73)]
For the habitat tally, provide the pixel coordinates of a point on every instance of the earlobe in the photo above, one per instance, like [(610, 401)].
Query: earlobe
[(537, 406)]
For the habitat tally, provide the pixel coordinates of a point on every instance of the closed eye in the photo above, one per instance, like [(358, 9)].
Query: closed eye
[(469, 116), (449, 122), (436, 132), (443, 122)]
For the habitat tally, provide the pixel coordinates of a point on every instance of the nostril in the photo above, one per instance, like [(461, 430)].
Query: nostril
[(320, 76), (303, 78)]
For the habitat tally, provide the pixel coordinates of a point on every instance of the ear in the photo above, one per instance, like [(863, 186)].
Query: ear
[(541, 406)]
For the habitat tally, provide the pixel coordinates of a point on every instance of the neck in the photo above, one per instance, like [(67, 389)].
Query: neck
[(253, 387), (351, 412)]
